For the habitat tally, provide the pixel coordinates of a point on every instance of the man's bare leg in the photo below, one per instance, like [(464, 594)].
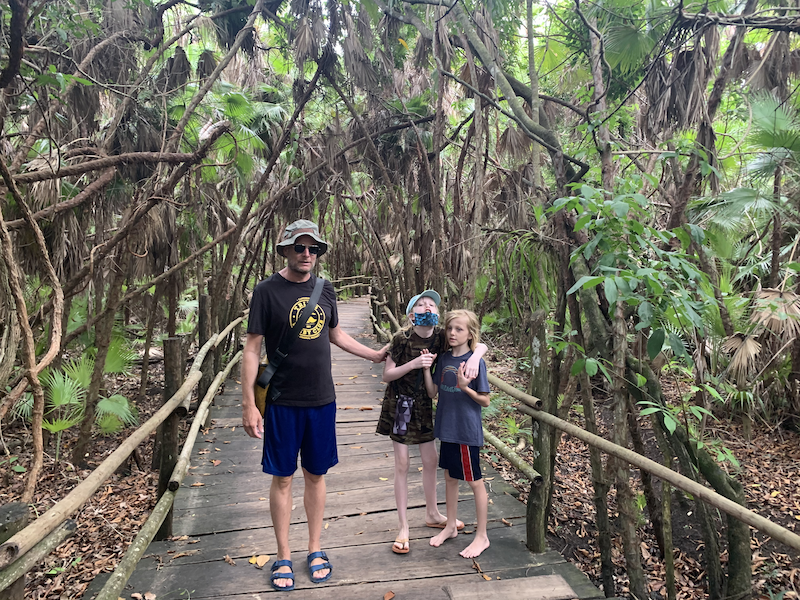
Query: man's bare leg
[(314, 501), (280, 507), (451, 495)]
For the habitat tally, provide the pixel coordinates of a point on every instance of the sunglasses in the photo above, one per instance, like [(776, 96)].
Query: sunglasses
[(300, 248)]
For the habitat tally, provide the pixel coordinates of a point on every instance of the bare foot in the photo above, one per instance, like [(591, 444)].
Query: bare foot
[(448, 532), (282, 582), (478, 545), (322, 572)]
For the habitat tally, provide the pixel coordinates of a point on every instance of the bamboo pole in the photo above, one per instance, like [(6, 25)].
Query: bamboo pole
[(122, 573), (709, 496), (224, 333), (340, 279), (515, 459), (531, 401), (197, 423), (113, 587), (23, 541), (37, 553)]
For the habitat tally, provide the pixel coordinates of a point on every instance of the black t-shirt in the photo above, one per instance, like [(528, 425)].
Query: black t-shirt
[(304, 377)]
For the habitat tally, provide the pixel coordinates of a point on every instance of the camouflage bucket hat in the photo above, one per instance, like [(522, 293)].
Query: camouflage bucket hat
[(300, 228)]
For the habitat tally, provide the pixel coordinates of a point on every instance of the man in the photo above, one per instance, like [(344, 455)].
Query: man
[(301, 410)]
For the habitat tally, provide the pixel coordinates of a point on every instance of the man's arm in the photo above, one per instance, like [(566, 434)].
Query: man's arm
[(251, 419), (345, 341)]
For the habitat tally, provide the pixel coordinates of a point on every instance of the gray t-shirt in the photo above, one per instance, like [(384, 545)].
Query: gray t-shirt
[(458, 417)]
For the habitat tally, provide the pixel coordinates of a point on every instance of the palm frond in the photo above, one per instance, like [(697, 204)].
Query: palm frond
[(119, 407), (80, 370), (744, 349), (778, 311), (627, 46), (120, 357)]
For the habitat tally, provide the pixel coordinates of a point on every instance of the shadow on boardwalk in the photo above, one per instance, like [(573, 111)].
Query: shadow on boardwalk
[(222, 511)]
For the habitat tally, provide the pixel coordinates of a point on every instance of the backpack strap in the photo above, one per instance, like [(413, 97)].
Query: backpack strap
[(290, 336)]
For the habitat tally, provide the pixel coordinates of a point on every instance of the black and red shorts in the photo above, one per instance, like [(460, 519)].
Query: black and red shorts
[(461, 461)]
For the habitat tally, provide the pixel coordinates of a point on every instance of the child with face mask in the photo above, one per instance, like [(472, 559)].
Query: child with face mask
[(407, 410)]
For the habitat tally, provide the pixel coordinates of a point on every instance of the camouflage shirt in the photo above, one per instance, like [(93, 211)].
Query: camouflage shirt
[(406, 346)]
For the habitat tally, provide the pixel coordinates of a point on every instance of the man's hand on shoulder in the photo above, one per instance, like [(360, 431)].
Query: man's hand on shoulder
[(382, 354)]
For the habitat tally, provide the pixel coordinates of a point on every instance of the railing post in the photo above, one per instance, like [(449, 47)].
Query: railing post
[(13, 518), (538, 504), (204, 333), (173, 379)]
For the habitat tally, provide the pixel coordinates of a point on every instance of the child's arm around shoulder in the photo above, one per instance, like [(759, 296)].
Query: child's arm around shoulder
[(482, 398), (474, 362)]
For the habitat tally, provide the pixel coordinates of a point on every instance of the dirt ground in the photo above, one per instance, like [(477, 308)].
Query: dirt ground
[(109, 521)]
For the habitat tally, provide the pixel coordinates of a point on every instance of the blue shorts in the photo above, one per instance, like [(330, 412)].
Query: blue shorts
[(310, 431), (461, 461)]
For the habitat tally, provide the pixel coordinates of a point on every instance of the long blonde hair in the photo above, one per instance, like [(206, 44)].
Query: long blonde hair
[(473, 325)]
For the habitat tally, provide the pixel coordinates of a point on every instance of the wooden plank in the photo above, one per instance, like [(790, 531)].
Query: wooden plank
[(241, 515), (380, 528), (217, 578), (545, 587)]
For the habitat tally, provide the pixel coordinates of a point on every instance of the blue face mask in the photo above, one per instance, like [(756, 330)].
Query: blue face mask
[(426, 319)]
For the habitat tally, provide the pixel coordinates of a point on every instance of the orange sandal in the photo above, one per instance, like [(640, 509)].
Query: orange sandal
[(403, 548), (459, 525)]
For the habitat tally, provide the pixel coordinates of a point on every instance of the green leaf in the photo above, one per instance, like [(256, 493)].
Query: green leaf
[(678, 347), (620, 208), (655, 343), (591, 367), (611, 292), (587, 281), (646, 313), (697, 233), (670, 423), (589, 249), (577, 367), (583, 221)]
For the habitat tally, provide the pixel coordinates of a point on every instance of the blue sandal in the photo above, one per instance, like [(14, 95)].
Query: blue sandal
[(275, 575), (320, 567)]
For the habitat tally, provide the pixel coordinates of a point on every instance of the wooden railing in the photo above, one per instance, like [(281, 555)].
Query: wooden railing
[(358, 283), (531, 406), (22, 551)]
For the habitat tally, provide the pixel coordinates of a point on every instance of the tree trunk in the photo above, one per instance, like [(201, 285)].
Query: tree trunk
[(102, 340), (654, 505), (539, 497), (626, 503), (153, 313), (599, 480)]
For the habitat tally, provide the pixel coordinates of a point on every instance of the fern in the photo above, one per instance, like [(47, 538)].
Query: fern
[(114, 413)]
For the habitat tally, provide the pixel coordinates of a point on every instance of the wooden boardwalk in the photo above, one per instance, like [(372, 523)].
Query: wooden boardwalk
[(222, 511)]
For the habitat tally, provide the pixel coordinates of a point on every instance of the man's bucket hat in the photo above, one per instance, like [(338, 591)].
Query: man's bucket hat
[(432, 294), (299, 228)]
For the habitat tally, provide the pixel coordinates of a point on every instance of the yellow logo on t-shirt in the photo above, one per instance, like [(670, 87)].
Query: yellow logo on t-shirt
[(315, 322)]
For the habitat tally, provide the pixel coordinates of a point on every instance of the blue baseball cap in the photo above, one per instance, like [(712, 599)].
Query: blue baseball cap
[(432, 294)]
